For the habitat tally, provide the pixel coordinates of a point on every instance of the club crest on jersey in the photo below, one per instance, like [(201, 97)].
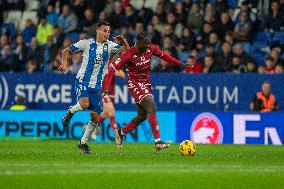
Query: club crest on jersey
[(206, 128), (105, 48)]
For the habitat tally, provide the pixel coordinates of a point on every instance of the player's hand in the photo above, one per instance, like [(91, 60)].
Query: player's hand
[(118, 39), (62, 68)]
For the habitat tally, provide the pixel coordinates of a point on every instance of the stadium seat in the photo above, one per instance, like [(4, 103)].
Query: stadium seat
[(258, 57), (263, 36), (10, 27), (74, 36), (28, 15), (232, 3), (212, 1), (14, 17), (31, 5), (282, 57), (279, 36), (258, 45)]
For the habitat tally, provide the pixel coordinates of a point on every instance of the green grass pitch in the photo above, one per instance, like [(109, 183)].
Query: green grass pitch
[(59, 164)]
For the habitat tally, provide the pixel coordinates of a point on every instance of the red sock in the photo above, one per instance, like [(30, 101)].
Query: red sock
[(128, 127), (112, 122), (152, 119), (101, 119)]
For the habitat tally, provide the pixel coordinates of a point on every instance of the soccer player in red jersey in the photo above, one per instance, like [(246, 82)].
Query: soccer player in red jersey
[(137, 61)]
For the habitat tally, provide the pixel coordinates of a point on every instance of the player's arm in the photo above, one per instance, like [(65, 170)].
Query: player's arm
[(123, 42), (165, 56), (116, 65), (67, 51)]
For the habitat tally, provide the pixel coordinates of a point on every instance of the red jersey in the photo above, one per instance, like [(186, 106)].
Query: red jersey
[(138, 65)]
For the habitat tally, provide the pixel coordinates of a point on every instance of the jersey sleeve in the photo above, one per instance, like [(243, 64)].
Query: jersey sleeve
[(165, 56), (79, 46), (121, 61)]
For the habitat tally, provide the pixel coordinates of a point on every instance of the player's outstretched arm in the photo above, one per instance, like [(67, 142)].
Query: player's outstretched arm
[(63, 66), (123, 42), (165, 56)]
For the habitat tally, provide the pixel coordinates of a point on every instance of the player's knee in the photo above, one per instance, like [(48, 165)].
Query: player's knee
[(85, 105), (94, 116), (151, 110)]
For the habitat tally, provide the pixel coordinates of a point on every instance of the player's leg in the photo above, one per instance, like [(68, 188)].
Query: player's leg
[(149, 105), (91, 126), (135, 122), (82, 104)]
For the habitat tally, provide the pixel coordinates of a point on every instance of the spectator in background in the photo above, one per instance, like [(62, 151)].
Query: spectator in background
[(243, 28), (169, 32), (35, 51), (67, 21), (176, 26), (239, 51), (44, 30), (224, 25), (188, 38), (29, 31), (20, 104), (250, 67), (160, 12), (261, 69), (210, 66), (89, 21), (270, 65), (32, 66), (220, 6), (102, 17), (264, 101), (116, 18), (77, 7), (58, 36), (180, 12), (4, 40), (76, 62), (10, 60), (130, 17), (195, 17), (205, 32), (275, 18), (52, 16), (22, 52), (155, 35), (279, 69), (159, 26), (195, 66), (229, 37), (54, 65), (275, 53), (225, 57), (214, 41), (236, 66)]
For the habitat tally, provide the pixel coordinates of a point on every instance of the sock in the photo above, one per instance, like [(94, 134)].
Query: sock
[(112, 122), (75, 108), (152, 119), (101, 119), (88, 132), (128, 127)]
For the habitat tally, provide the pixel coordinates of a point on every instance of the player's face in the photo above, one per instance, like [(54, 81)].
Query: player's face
[(142, 46), (103, 32)]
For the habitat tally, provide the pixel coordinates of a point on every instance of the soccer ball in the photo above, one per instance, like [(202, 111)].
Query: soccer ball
[(187, 148)]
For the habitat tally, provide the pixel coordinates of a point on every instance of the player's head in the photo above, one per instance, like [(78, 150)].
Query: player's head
[(103, 31), (143, 41)]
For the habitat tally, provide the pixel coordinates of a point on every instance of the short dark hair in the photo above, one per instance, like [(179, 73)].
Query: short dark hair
[(270, 58), (102, 23), (143, 36)]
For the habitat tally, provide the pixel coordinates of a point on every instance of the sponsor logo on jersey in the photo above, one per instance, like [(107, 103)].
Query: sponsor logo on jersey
[(206, 128)]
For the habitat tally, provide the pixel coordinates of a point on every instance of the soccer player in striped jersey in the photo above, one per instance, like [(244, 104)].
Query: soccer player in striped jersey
[(88, 85)]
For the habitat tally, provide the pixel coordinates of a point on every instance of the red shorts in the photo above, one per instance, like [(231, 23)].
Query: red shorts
[(139, 90)]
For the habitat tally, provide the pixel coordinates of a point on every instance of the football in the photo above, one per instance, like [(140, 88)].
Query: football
[(187, 148)]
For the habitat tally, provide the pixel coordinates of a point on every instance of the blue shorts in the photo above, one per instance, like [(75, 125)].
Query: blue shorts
[(94, 96)]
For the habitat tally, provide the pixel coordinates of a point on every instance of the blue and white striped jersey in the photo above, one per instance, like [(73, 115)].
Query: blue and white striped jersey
[(95, 60)]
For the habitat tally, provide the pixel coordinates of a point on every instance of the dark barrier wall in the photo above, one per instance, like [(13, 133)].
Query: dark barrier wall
[(173, 92)]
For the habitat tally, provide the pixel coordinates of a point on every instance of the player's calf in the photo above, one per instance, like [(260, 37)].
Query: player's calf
[(67, 118)]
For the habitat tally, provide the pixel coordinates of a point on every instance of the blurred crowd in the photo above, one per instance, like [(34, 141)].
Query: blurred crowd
[(232, 36)]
